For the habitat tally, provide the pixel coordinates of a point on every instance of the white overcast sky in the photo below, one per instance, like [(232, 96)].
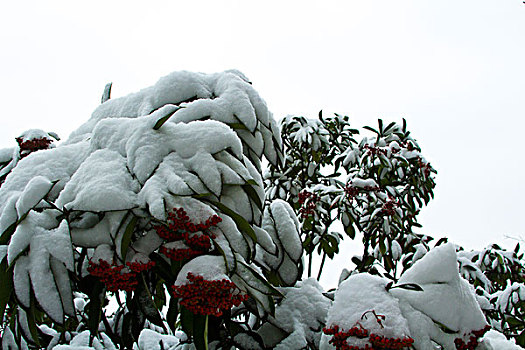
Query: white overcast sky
[(455, 69)]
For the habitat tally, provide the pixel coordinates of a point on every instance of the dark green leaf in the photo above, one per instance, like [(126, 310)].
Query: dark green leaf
[(186, 321), (31, 321), (200, 332), (172, 314), (147, 305), (162, 268), (94, 306), (6, 235), (237, 126), (164, 119), (350, 231), (371, 129), (253, 195), (409, 286), (126, 238)]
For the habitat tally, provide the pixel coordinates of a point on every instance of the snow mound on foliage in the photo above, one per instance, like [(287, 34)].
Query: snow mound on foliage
[(189, 136), (445, 308), (496, 341), (300, 314), (361, 301), (446, 297), (151, 340)]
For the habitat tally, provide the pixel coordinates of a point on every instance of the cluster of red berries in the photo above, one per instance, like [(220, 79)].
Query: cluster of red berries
[(179, 223), (375, 150), (340, 337), (352, 191), (179, 254), (308, 202), (205, 297), (381, 342), (118, 277), (389, 207), (28, 146), (473, 339), (179, 227), (425, 166)]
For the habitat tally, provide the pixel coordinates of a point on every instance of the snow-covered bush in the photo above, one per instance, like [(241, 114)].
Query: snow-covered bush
[(153, 227)]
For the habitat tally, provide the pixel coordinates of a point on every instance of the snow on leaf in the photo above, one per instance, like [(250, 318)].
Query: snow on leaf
[(21, 280), (210, 267), (354, 302), (300, 313), (102, 183), (287, 228), (446, 297), (9, 215), (33, 193), (203, 164), (151, 340), (43, 281)]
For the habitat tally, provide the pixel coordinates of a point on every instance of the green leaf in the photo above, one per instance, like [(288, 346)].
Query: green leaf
[(162, 268), (444, 328), (253, 195), (186, 321), (6, 235), (94, 306), (164, 119), (31, 321), (350, 231), (147, 305), (371, 129), (126, 238), (237, 126), (200, 332), (172, 314), (382, 247)]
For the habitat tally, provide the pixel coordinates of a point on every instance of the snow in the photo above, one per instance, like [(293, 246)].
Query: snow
[(300, 313), (36, 189), (100, 233), (21, 281), (6, 154), (9, 215), (497, 341), (362, 183), (225, 97), (81, 342), (54, 164), (117, 165), (102, 183), (396, 250), (151, 340), (355, 299), (446, 297), (446, 301), (8, 340), (103, 252), (3, 252), (210, 267), (33, 134), (287, 228), (512, 294), (43, 282)]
